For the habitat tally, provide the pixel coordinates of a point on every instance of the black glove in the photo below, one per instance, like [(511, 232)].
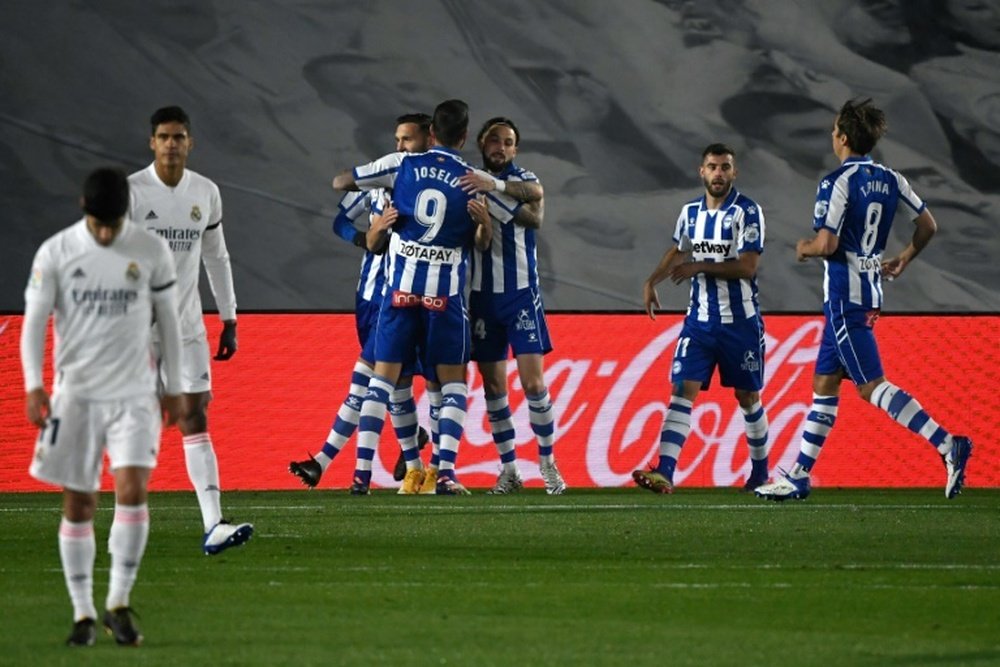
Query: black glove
[(360, 240), (227, 341)]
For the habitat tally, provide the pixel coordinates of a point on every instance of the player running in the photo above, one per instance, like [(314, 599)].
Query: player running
[(855, 207)]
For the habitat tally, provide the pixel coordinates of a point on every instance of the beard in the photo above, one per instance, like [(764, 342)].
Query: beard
[(495, 163), (717, 189)]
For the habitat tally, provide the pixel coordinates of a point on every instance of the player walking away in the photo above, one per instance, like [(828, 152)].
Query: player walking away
[(855, 207), (412, 136), (104, 278), (505, 304), (185, 209), (723, 233), (423, 309)]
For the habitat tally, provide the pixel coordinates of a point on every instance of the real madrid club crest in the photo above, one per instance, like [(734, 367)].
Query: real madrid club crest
[(196, 213), (132, 272)]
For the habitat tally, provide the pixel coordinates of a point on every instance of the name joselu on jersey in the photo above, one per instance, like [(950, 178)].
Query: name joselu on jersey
[(436, 174)]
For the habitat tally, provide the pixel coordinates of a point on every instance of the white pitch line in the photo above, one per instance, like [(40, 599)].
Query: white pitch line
[(340, 585), (250, 566), (459, 506)]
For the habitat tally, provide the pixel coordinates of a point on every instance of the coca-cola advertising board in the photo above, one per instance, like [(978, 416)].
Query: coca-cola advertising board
[(609, 381)]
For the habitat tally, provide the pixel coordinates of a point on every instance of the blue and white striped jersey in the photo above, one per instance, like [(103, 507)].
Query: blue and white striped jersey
[(511, 262), (429, 249), (352, 206), (858, 202), (720, 236)]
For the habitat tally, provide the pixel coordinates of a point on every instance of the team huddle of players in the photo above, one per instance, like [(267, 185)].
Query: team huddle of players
[(432, 214), (449, 276)]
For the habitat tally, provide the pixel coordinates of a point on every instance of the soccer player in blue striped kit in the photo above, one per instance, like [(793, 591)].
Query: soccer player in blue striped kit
[(505, 304), (423, 308), (412, 136), (723, 233), (855, 207)]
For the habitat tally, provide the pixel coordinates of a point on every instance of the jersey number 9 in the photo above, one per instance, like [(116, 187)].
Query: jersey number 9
[(429, 212)]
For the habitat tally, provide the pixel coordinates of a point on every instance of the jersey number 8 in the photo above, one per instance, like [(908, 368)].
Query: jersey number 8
[(872, 217)]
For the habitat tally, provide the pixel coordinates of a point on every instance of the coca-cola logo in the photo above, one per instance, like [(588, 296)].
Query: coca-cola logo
[(609, 382), (620, 436), (613, 408)]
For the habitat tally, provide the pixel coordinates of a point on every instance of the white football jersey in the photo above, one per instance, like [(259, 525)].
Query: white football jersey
[(188, 217), (101, 298)]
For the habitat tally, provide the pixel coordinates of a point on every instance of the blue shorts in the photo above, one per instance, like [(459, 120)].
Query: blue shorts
[(849, 343), (737, 349), (414, 333), (500, 322), (365, 319)]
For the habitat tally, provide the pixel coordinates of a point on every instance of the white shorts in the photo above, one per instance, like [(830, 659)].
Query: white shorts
[(70, 450), (196, 369)]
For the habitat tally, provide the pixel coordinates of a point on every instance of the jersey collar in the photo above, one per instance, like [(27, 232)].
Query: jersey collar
[(505, 172), (181, 184), (730, 199), (444, 149)]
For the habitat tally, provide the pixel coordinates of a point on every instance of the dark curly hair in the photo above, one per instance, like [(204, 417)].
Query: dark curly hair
[(863, 123)]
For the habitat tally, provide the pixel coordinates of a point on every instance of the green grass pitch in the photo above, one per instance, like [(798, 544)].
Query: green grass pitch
[(596, 577)]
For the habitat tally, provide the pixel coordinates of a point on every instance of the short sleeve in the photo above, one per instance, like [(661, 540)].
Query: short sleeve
[(751, 233), (831, 205), (908, 197), (379, 174), (681, 238)]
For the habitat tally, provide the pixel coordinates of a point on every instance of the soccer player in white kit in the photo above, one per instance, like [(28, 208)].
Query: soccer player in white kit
[(185, 209), (104, 279)]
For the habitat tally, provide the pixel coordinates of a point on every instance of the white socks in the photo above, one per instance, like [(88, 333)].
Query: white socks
[(203, 471), (76, 551), (126, 544)]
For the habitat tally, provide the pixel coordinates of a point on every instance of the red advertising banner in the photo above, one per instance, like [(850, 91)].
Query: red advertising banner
[(609, 381)]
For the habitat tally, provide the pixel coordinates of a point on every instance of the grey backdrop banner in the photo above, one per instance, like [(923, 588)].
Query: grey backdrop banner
[(615, 102)]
